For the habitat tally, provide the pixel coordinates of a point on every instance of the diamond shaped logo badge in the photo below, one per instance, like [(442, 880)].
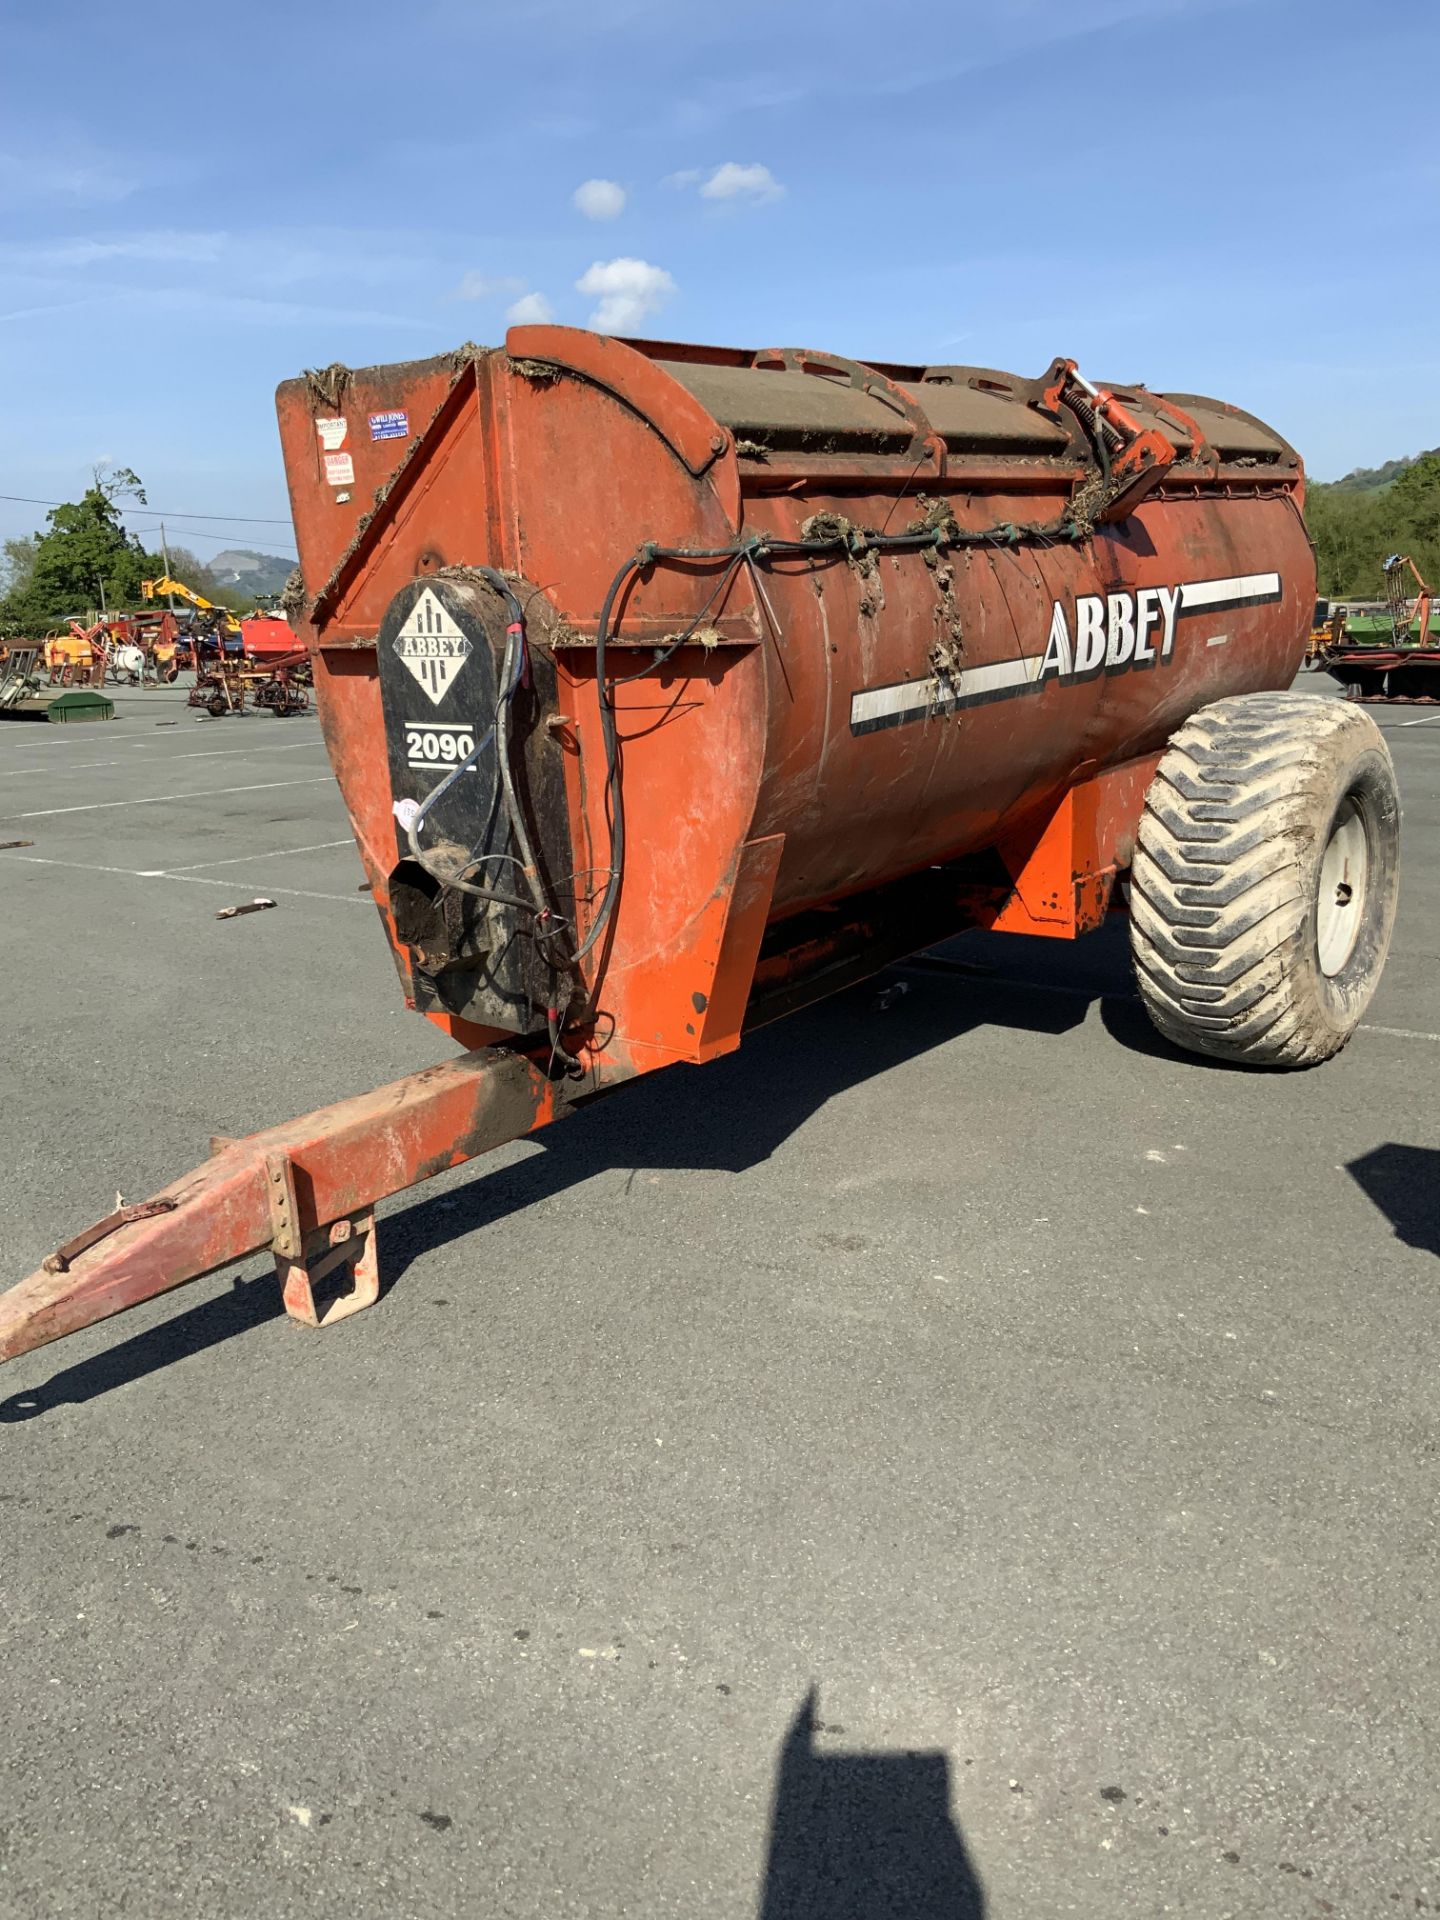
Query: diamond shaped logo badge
[(432, 647)]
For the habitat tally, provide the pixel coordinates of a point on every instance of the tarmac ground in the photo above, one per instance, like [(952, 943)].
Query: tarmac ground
[(953, 1458)]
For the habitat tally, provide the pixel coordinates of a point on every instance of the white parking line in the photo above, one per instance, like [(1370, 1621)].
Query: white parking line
[(242, 859), (115, 735), (194, 879), (164, 759), (61, 738), (1428, 721), (160, 799), (355, 899)]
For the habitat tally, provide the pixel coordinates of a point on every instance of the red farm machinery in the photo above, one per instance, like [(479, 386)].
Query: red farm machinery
[(1389, 658), (671, 688)]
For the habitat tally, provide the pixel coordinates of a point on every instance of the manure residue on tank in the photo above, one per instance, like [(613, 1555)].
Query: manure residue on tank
[(292, 596), (936, 516), (543, 373), (949, 641), (1085, 504), (327, 384), (827, 525)]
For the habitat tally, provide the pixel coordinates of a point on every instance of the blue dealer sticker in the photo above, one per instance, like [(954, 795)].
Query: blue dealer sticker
[(389, 426)]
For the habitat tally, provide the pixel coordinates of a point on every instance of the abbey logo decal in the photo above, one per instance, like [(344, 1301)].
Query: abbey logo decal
[(1127, 631), (432, 647)]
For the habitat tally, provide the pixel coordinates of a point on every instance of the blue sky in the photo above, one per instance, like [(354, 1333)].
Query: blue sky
[(1233, 197)]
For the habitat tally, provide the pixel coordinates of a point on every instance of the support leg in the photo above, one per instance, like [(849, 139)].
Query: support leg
[(307, 1190), (345, 1248)]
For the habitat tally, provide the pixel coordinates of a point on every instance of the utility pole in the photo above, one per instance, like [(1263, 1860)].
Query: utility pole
[(165, 552)]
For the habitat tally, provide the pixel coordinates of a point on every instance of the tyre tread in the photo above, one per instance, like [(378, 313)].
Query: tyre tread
[(1221, 892)]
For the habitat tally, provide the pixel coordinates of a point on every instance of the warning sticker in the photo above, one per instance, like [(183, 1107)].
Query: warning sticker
[(332, 432), (339, 469), (390, 426), (432, 647)]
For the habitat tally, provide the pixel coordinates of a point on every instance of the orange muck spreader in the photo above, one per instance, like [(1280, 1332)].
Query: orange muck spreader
[(671, 688)]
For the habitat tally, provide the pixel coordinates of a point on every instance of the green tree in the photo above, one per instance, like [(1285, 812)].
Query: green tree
[(1355, 531), (1414, 501), (17, 562), (84, 557)]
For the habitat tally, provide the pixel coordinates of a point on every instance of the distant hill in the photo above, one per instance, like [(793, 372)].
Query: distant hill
[(1371, 479), (1357, 521), (249, 572)]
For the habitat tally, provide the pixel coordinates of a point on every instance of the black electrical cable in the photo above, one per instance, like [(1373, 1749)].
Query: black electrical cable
[(515, 642), (855, 541), (663, 654), (511, 674), (604, 688), (611, 739), (235, 519), (850, 540)]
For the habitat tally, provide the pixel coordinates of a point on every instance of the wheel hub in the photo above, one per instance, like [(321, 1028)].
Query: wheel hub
[(1344, 869)]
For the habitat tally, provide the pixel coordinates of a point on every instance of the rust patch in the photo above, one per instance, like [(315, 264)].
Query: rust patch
[(59, 1261), (508, 1102)]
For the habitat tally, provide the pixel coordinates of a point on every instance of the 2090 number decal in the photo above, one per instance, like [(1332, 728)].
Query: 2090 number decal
[(437, 746)]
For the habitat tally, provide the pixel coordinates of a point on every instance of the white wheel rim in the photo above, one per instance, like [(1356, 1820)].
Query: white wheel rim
[(1344, 873)]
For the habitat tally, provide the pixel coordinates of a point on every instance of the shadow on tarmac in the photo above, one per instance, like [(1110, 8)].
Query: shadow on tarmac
[(1404, 1183), (726, 1117), (735, 1113), (247, 1304), (869, 1836)]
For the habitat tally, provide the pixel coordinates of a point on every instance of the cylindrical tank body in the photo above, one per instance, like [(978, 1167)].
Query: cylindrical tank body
[(871, 771), (860, 707)]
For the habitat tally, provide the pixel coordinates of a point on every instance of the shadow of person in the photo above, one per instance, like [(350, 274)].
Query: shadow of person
[(864, 1836), (1404, 1183)]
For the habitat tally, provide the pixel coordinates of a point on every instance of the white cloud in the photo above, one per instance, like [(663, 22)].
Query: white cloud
[(735, 182), (627, 291), (600, 199), (191, 247), (55, 306), (63, 173), (530, 310), (231, 309), (485, 286), (687, 177), (717, 101), (45, 256)]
